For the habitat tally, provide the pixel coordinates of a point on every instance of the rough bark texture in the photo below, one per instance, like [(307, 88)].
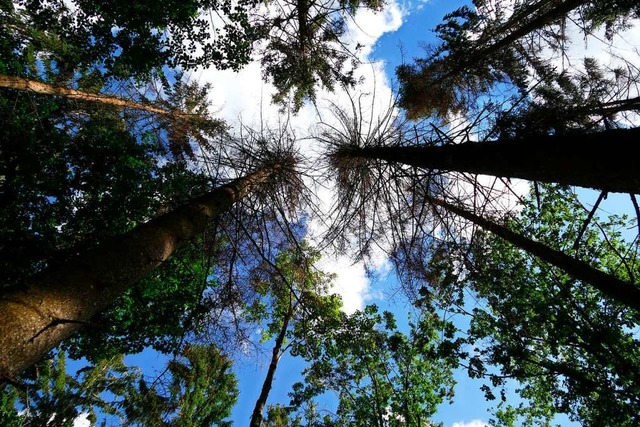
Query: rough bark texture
[(57, 303), (18, 83), (605, 161), (625, 293)]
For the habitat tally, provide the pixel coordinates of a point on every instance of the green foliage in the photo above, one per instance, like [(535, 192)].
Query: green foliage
[(572, 349), (51, 396), (66, 190), (291, 290), (125, 39), (292, 293), (67, 184), (304, 50), (201, 391), (160, 311), (197, 389), (380, 375)]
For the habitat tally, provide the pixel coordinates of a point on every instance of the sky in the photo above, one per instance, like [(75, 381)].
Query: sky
[(389, 38)]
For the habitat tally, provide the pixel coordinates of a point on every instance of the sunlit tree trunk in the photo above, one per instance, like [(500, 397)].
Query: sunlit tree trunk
[(604, 161), (57, 302), (18, 83)]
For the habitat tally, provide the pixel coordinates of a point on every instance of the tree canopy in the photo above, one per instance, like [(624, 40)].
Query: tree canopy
[(133, 218)]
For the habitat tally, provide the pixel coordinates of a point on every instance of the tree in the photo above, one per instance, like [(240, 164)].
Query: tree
[(197, 388), (147, 36), (623, 292), (589, 160), (57, 302), (572, 350), (484, 47), (305, 50), (300, 45), (183, 114), (380, 375), (595, 97), (52, 396), (76, 175), (200, 391), (295, 296), (360, 160)]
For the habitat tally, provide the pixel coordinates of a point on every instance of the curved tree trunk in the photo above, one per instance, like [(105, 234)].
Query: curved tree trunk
[(625, 293), (56, 303), (605, 161), (18, 83)]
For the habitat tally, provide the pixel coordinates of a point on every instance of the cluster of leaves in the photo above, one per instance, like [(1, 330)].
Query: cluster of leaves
[(380, 375), (571, 349), (123, 39), (197, 388)]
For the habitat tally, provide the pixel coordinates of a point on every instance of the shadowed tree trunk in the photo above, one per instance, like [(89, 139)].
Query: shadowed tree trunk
[(625, 293), (604, 160), (57, 302), (256, 417)]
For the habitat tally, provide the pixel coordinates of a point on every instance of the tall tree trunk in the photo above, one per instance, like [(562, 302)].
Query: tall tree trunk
[(18, 83), (256, 417), (625, 293), (57, 302), (605, 161)]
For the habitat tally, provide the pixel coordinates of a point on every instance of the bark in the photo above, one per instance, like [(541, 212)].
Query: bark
[(625, 293), (57, 302), (612, 107), (18, 83), (605, 161), (516, 29), (256, 417)]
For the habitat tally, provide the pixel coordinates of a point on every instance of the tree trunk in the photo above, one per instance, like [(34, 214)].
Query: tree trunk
[(624, 293), (256, 417), (515, 28), (605, 161), (57, 302), (18, 83)]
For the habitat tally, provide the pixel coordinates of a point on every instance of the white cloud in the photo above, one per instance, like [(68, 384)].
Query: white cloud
[(240, 95), (474, 423), (351, 282), (369, 26), (82, 420), (245, 95)]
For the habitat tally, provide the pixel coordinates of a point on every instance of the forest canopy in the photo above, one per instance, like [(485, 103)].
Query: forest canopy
[(138, 217)]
